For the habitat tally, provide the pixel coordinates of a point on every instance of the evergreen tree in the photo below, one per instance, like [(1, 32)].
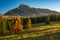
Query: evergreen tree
[(35, 18), (0, 24), (47, 19), (3, 25), (12, 25), (56, 17)]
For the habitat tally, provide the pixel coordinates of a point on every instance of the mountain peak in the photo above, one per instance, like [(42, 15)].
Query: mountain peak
[(25, 10), (24, 6)]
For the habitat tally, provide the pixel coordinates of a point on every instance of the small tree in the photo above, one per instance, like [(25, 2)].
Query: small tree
[(29, 23), (35, 18), (47, 19), (3, 25), (19, 26), (0, 25), (56, 17), (12, 22)]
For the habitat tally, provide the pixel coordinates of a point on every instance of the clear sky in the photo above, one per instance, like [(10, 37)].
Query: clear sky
[(6, 5)]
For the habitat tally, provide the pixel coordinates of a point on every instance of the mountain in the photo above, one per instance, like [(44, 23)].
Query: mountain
[(25, 10)]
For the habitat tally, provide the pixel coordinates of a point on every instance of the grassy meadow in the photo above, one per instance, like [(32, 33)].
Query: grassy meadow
[(30, 28), (38, 31)]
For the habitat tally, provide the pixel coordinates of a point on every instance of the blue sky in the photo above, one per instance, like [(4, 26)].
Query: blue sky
[(6, 5)]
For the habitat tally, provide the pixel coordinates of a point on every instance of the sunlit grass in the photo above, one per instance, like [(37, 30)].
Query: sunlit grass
[(36, 32)]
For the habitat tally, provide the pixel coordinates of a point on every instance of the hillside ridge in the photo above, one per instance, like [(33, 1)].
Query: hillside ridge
[(25, 10)]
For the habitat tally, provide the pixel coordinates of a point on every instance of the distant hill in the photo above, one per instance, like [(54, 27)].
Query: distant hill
[(25, 10)]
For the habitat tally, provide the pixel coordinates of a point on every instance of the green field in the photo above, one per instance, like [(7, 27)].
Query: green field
[(38, 31)]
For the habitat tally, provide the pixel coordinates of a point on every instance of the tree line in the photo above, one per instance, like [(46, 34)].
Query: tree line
[(18, 24)]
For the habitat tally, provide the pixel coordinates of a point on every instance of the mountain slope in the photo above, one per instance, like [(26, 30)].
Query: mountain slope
[(25, 10)]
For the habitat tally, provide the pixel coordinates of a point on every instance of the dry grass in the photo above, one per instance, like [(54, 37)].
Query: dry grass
[(47, 29)]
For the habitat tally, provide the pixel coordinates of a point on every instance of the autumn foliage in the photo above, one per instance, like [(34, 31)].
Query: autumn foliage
[(15, 25), (19, 26), (29, 23)]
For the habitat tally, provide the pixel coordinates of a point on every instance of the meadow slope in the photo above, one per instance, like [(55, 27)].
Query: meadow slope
[(38, 32)]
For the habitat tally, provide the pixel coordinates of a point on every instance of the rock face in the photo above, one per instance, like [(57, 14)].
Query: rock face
[(25, 10)]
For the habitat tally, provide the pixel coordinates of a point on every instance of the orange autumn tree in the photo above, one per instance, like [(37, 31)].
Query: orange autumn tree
[(19, 26), (16, 25), (29, 23)]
